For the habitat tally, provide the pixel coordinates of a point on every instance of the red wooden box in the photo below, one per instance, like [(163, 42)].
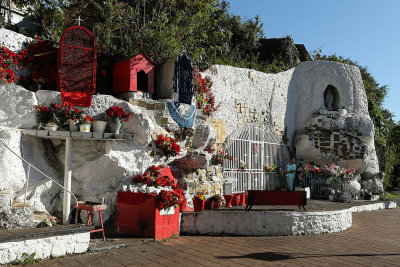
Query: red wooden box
[(139, 216), (134, 74), (261, 197)]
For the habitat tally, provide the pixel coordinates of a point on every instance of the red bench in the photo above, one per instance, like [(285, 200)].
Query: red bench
[(261, 197)]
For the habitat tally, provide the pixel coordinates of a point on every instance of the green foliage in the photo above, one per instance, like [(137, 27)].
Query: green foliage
[(48, 16), (2, 21), (387, 133), (26, 259)]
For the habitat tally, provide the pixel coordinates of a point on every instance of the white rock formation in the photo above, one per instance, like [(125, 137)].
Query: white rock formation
[(293, 98), (12, 40)]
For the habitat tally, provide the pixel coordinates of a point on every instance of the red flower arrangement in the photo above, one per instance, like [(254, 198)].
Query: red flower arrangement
[(168, 145), (205, 99), (85, 119), (166, 199), (45, 114), (8, 60), (152, 177), (117, 112)]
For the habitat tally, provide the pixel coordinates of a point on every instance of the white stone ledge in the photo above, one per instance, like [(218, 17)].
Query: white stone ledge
[(45, 248), (266, 223)]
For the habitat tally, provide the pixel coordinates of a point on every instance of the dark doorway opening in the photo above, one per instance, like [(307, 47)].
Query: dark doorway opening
[(142, 81)]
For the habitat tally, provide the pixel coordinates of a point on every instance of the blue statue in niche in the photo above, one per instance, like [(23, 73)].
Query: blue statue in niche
[(181, 110)]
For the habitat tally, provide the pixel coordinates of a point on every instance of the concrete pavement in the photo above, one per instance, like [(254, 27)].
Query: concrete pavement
[(374, 240)]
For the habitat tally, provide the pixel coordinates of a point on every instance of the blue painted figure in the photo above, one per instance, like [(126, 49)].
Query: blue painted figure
[(290, 174)]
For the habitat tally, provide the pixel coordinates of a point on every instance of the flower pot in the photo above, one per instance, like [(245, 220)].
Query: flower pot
[(99, 126), (73, 126), (208, 205), (84, 128), (216, 205), (115, 125), (51, 127), (182, 206), (236, 200), (228, 200), (198, 205)]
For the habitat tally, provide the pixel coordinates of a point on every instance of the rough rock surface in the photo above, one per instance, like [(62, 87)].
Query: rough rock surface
[(204, 135), (12, 40), (373, 185), (291, 100), (190, 162), (344, 140), (17, 106)]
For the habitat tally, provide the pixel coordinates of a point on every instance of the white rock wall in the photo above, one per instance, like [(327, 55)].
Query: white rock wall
[(264, 223), (292, 98), (263, 92), (12, 40), (45, 248)]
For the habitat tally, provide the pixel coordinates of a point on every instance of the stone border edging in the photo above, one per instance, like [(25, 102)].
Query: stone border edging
[(266, 223)]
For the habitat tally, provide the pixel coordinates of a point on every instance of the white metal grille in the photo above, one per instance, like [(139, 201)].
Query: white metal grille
[(257, 145)]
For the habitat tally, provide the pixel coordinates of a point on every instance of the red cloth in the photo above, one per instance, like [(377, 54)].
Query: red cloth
[(70, 99)]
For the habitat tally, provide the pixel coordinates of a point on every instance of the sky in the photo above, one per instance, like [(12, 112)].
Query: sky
[(366, 31)]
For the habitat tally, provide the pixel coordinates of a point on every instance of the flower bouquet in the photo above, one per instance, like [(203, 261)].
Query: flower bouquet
[(168, 145)]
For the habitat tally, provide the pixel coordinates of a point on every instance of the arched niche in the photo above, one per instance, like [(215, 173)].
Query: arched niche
[(331, 98)]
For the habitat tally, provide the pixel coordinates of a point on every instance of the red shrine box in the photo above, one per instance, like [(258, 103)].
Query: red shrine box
[(139, 216), (134, 74)]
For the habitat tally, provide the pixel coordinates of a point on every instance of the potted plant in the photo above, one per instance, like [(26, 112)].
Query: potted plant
[(45, 115), (116, 116), (73, 116), (85, 123), (215, 201), (199, 200), (168, 145)]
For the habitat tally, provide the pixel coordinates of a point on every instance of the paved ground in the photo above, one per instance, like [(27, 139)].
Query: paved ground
[(374, 240)]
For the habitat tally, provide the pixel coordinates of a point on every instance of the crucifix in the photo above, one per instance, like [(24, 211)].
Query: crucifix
[(79, 20)]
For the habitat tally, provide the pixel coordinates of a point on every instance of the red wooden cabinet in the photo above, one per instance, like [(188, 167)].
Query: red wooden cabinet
[(134, 74), (139, 216)]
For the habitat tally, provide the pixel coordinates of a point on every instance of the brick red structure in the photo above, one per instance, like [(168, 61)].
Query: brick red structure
[(77, 59), (134, 74)]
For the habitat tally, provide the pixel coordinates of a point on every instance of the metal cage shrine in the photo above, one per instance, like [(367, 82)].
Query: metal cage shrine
[(257, 145), (77, 66)]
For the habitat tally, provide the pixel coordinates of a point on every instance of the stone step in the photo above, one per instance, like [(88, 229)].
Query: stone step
[(17, 204), (39, 217)]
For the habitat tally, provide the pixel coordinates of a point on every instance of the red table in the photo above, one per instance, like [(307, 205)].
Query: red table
[(138, 215), (261, 197)]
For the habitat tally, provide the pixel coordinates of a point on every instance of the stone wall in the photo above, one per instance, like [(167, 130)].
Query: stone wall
[(44, 248), (265, 223), (293, 103)]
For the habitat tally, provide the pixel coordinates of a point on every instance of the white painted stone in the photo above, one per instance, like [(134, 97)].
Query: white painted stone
[(252, 223), (204, 135), (44, 248), (17, 106), (292, 97), (58, 249), (12, 40)]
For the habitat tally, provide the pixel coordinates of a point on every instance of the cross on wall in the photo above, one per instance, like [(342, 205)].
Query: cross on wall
[(79, 20)]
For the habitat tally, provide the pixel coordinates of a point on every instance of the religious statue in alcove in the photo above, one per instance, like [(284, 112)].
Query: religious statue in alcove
[(77, 58), (329, 100), (181, 110)]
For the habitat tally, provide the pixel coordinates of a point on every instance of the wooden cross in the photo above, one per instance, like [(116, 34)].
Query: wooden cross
[(79, 20)]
